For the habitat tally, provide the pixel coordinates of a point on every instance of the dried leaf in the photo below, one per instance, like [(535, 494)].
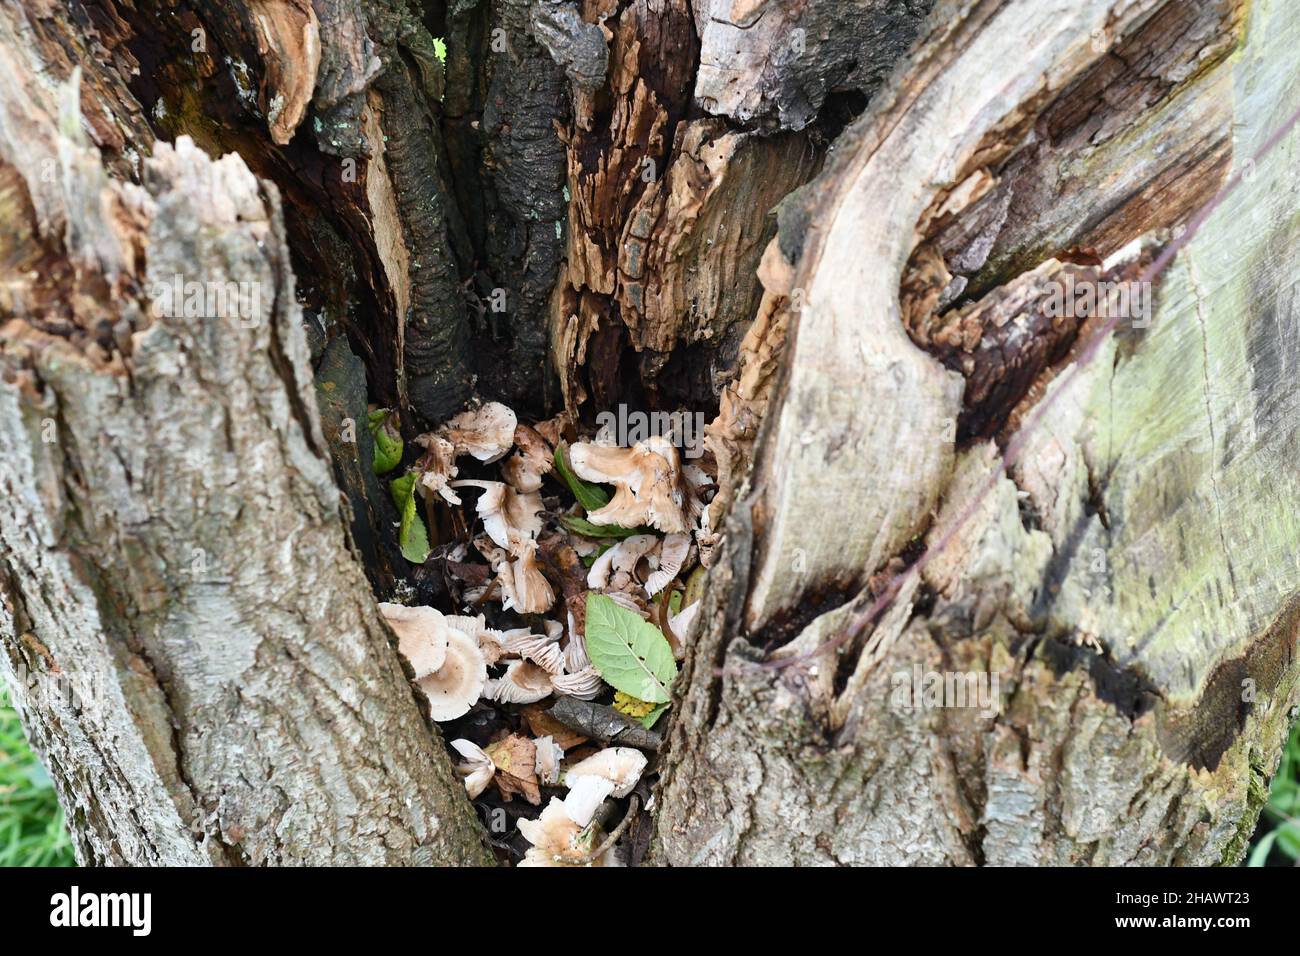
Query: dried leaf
[(543, 724), (515, 758)]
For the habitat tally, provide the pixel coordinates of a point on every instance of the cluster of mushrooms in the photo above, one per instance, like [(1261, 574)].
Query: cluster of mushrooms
[(525, 560)]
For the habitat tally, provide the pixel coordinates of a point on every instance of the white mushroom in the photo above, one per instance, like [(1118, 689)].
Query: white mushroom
[(478, 768), (549, 755), (523, 683), (487, 433), (489, 639), (510, 518), (621, 557), (672, 556), (584, 684), (647, 477), (523, 585), (422, 635), (454, 687), (612, 772), (542, 650), (680, 623)]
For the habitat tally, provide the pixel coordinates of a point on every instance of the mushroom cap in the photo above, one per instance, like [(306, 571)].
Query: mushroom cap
[(523, 683), (621, 557), (422, 635), (558, 841), (477, 769), (475, 626), (584, 683), (524, 469), (543, 650), (648, 482), (510, 518), (487, 432), (453, 689), (621, 766), (674, 551)]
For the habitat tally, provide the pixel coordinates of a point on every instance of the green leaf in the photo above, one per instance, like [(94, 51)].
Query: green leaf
[(630, 654), (411, 536), (388, 441), (652, 718), (591, 497), (589, 530)]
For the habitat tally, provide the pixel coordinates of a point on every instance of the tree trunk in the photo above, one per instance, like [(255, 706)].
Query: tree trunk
[(1130, 581), (193, 649), (666, 204)]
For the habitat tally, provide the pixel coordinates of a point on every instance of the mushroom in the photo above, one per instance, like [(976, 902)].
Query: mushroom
[(558, 841), (490, 641), (523, 683), (647, 477), (525, 588), (439, 467), (487, 432), (524, 469), (422, 636), (510, 518), (542, 650), (673, 553), (584, 684), (680, 623), (621, 557), (549, 755), (575, 652), (612, 772), (454, 687), (477, 769)]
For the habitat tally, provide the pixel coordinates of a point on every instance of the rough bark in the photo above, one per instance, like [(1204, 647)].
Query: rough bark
[(185, 617), (1130, 580), (193, 648)]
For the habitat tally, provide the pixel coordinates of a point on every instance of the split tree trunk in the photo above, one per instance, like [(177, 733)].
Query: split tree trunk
[(186, 622)]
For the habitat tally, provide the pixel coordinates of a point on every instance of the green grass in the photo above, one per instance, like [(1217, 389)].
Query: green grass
[(31, 823), (1277, 839)]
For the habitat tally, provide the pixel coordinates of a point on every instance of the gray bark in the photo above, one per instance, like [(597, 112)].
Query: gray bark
[(1130, 582), (194, 651)]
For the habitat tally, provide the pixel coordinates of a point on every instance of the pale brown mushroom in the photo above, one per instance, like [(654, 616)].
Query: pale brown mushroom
[(525, 468), (510, 518), (523, 585), (621, 557), (455, 686), (612, 772), (487, 432), (558, 841), (422, 636), (523, 683), (649, 488)]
